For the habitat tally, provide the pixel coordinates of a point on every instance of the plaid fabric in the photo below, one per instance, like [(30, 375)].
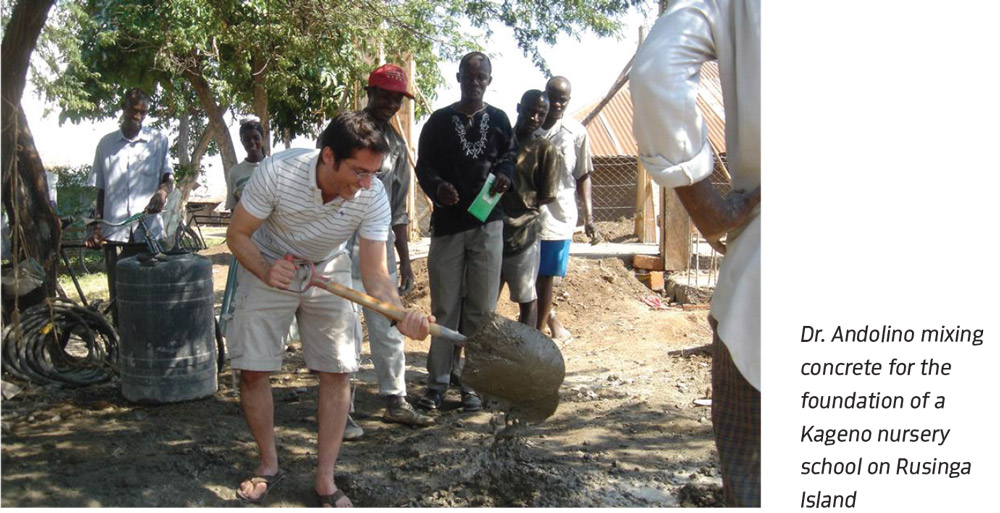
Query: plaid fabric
[(736, 421)]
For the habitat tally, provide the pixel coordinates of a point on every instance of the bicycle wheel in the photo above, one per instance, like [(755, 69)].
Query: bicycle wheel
[(188, 239)]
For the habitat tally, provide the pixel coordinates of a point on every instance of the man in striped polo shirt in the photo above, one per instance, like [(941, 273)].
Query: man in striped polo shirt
[(308, 203)]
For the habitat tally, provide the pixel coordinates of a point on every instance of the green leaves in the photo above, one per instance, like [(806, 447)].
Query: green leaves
[(311, 57)]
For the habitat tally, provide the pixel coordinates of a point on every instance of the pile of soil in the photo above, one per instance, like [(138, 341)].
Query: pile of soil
[(626, 433), (621, 230)]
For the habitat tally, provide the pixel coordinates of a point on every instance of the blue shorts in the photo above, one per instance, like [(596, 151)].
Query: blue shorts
[(554, 258)]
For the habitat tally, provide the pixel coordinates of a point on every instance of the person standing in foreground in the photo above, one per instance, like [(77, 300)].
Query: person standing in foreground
[(307, 203), (387, 86), (535, 176), (674, 148), (132, 174), (559, 217), (460, 146)]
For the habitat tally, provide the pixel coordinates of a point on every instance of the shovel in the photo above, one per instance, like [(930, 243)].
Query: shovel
[(504, 360), (314, 279)]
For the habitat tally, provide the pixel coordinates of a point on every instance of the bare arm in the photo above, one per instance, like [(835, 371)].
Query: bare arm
[(583, 191), (375, 277), (159, 197), (96, 240), (714, 215), (406, 278), (277, 273)]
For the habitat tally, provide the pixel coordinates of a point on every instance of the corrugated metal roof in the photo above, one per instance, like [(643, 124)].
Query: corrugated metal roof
[(611, 130)]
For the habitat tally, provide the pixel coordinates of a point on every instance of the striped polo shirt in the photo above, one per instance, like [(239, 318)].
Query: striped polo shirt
[(283, 192)]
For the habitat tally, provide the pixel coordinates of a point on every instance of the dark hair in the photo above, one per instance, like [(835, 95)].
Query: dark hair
[(533, 95), (251, 124), (467, 58), (352, 131), (134, 96)]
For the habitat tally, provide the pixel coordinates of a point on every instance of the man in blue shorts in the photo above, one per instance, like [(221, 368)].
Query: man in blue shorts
[(559, 217)]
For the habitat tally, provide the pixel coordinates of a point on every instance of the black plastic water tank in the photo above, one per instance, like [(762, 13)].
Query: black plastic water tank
[(167, 328)]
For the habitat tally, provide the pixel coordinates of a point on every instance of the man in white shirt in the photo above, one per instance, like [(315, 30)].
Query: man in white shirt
[(132, 174), (301, 206), (559, 217), (674, 148)]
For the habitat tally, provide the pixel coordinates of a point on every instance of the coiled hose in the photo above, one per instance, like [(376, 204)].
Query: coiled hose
[(39, 354)]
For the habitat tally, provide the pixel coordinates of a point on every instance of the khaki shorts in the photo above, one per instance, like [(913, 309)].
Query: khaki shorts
[(329, 326), (520, 272)]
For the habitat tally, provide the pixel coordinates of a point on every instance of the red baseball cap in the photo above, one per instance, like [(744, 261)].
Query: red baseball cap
[(391, 78)]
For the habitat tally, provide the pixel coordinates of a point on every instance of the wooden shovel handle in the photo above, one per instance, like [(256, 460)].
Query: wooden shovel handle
[(386, 309)]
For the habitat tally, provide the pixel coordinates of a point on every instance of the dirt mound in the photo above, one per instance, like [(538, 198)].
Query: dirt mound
[(621, 230)]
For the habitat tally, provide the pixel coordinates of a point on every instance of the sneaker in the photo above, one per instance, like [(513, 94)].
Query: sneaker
[(399, 411), (431, 400), (353, 431), (471, 401)]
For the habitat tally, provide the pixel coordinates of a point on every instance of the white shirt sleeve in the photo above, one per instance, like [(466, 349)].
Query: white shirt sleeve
[(260, 196), (165, 167), (584, 165), (375, 223), (96, 177), (670, 130)]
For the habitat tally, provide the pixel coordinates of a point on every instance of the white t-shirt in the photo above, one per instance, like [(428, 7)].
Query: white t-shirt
[(570, 138), (283, 192), (236, 180), (673, 140)]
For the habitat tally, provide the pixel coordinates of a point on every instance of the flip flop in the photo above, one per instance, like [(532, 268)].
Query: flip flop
[(331, 499), (564, 340), (270, 481)]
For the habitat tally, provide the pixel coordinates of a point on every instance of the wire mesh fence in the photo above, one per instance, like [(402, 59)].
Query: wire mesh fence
[(613, 187)]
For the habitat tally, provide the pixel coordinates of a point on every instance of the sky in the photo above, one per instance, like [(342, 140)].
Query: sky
[(591, 64)]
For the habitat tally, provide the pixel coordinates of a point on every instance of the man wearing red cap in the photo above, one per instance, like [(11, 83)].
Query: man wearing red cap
[(387, 86)]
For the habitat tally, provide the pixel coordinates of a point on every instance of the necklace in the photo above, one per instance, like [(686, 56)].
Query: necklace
[(473, 150)]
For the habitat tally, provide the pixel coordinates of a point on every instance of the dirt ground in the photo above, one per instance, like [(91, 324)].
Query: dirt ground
[(627, 431)]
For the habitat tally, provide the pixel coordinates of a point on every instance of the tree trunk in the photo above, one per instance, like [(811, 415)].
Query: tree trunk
[(191, 183), (184, 139), (35, 228), (215, 118), (202, 147), (260, 101)]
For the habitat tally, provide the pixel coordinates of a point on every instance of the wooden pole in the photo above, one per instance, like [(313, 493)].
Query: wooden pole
[(408, 119), (675, 245), (645, 213)]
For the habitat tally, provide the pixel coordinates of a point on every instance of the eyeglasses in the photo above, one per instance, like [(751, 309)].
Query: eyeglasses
[(365, 174)]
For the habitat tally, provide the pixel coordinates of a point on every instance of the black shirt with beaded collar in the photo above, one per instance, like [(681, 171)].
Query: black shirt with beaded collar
[(463, 150)]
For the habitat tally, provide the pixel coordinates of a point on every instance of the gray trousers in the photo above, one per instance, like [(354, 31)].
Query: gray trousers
[(387, 348), (464, 272), (113, 252)]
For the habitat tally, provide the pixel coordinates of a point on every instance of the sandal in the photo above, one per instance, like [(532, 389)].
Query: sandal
[(270, 481), (331, 499)]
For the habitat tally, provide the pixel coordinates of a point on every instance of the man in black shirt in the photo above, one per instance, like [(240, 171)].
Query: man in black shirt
[(460, 146)]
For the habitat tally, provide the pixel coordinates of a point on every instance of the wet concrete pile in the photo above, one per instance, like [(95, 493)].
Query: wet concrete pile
[(505, 474), (517, 366)]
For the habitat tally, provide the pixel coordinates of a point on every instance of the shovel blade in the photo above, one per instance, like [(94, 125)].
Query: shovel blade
[(516, 365)]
